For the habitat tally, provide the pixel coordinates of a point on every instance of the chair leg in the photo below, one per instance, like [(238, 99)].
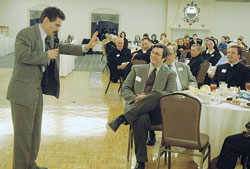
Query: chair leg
[(121, 82), (165, 157), (201, 162), (102, 57), (209, 157), (159, 157), (107, 87), (129, 144), (169, 159), (105, 67)]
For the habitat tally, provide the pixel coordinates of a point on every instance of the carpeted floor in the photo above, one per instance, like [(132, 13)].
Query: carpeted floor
[(89, 62)]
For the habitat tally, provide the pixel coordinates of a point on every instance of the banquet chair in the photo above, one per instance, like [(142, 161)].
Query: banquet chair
[(200, 77), (120, 81), (178, 131), (137, 61), (246, 54)]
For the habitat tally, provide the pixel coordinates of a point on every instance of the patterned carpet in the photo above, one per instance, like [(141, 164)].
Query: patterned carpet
[(89, 62)]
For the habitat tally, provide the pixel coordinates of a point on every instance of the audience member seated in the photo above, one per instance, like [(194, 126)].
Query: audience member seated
[(211, 54), (163, 36), (123, 35), (145, 35), (142, 54), (118, 60), (146, 48), (240, 43), (196, 59), (142, 91), (195, 40), (154, 39), (166, 42), (227, 39), (104, 42), (110, 46), (223, 44), (181, 46), (241, 37), (233, 73), (137, 40), (204, 44), (233, 147), (187, 42), (183, 74)]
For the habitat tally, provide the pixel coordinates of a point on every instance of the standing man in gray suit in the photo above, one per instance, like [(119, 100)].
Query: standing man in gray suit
[(33, 53), (142, 91)]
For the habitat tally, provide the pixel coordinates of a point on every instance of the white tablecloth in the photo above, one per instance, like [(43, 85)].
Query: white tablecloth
[(67, 64), (222, 120), (6, 45)]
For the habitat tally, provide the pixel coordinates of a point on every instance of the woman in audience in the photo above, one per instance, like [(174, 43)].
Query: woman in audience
[(181, 46), (187, 42), (204, 45), (137, 40), (153, 39), (211, 54), (123, 35), (223, 44), (163, 36)]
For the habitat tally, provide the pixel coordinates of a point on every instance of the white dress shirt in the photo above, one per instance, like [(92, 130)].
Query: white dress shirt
[(178, 82)]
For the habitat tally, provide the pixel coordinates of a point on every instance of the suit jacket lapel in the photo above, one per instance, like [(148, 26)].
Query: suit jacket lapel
[(159, 78), (144, 77), (38, 39)]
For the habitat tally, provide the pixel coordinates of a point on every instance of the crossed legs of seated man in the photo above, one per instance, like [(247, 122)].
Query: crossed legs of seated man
[(139, 115)]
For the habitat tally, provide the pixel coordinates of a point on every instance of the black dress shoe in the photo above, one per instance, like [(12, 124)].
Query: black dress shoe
[(140, 165), (115, 124), (151, 140)]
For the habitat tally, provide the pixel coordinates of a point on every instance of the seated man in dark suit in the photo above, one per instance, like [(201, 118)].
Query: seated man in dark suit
[(234, 146), (118, 59), (142, 90), (196, 59), (142, 54), (233, 73), (195, 40)]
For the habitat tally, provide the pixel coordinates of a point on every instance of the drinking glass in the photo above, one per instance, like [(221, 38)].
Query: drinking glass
[(213, 87), (247, 86)]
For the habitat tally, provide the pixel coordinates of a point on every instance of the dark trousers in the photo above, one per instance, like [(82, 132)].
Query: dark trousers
[(233, 147), (140, 116), (27, 133)]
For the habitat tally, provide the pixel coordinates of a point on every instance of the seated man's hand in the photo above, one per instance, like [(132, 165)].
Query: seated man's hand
[(123, 65), (139, 97), (93, 41), (53, 54)]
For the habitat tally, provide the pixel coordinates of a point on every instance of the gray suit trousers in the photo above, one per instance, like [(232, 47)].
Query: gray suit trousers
[(27, 133), (140, 116)]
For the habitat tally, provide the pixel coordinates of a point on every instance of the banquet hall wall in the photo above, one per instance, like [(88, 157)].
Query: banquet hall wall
[(136, 16)]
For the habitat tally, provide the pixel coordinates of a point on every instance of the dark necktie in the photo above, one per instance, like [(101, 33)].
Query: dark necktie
[(150, 81), (47, 44)]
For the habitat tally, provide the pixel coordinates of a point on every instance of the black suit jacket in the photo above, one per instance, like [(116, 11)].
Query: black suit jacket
[(143, 56), (213, 58), (116, 58), (237, 75), (195, 64)]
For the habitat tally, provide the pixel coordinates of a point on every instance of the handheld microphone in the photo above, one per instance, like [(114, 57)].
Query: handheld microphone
[(56, 43)]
